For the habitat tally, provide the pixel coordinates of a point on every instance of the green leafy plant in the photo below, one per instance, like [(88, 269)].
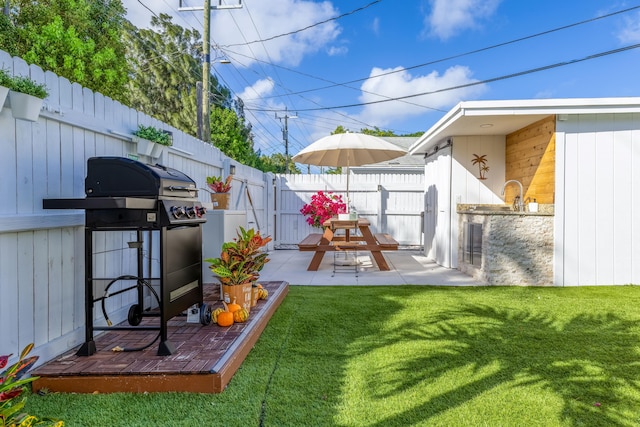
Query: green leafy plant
[(323, 206), (154, 134), (218, 185), (241, 260), (5, 78), (30, 87), (13, 392)]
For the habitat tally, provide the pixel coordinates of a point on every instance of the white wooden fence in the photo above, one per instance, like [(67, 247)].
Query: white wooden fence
[(393, 203), (42, 251)]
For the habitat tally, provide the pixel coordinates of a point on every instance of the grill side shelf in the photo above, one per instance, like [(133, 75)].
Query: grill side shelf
[(100, 203)]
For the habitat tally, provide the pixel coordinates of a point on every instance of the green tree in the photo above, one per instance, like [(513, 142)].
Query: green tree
[(276, 163), (77, 39), (232, 136), (165, 64), (376, 131)]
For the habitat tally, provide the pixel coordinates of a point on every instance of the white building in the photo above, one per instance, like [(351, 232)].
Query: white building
[(578, 157)]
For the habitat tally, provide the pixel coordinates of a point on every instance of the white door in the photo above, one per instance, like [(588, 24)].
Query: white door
[(437, 226)]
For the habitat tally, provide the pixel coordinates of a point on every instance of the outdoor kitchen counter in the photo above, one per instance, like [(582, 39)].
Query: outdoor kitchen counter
[(481, 209), (499, 246)]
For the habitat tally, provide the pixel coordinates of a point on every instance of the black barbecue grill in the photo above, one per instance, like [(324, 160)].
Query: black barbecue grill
[(124, 194)]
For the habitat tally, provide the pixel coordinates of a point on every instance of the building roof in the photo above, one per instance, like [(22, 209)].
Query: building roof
[(404, 163), (506, 116)]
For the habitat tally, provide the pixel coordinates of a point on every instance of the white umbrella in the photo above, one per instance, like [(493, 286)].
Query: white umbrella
[(348, 149)]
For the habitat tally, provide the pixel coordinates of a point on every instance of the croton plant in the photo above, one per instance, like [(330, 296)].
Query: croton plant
[(13, 392)]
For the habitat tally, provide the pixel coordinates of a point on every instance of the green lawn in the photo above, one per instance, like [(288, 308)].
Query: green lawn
[(414, 355)]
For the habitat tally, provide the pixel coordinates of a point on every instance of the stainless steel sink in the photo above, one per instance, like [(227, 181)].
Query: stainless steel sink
[(493, 208)]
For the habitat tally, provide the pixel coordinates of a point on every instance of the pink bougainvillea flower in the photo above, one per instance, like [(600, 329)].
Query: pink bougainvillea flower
[(322, 207)]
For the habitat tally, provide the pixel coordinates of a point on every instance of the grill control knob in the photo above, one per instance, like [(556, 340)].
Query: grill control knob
[(200, 211), (191, 212), (178, 212)]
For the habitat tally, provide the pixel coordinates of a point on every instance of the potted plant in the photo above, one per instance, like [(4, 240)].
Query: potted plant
[(26, 98), (220, 196), (323, 206), (151, 141), (14, 391), (5, 85), (239, 265)]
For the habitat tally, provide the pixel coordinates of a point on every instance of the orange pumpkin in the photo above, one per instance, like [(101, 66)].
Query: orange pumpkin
[(214, 314), (226, 317), (233, 307)]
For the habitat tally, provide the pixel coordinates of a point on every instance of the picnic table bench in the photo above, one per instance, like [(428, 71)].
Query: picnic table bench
[(329, 242)]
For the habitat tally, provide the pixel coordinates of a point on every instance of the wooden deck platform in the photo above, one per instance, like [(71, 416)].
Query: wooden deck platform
[(205, 359)]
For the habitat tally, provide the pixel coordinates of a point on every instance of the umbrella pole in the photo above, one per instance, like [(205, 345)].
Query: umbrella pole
[(348, 200)]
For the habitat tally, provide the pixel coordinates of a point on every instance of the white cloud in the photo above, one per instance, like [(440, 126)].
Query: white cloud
[(260, 20), (630, 33), (402, 83), (257, 20), (448, 17), (337, 50), (259, 89), (375, 26)]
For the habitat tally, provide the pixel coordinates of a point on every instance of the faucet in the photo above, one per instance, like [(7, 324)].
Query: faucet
[(519, 197)]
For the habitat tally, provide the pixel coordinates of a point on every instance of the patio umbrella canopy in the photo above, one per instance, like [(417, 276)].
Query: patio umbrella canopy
[(348, 149)]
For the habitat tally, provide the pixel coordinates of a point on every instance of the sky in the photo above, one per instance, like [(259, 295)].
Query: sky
[(401, 65)]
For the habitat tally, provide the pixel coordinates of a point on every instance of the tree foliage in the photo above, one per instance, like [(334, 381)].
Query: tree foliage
[(154, 70), (231, 136), (165, 63), (77, 39), (276, 163), (376, 131)]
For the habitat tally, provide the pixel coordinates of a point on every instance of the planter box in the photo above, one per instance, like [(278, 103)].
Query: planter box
[(4, 92), (241, 294), (220, 200), (25, 107), (148, 148)]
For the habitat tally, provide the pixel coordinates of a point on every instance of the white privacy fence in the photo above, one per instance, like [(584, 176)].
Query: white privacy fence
[(42, 253), (393, 203)]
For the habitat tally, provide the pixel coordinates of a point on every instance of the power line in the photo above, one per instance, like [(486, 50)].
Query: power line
[(305, 28), (460, 55), (491, 80)]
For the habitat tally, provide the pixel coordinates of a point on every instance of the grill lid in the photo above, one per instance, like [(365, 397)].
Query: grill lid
[(123, 177)]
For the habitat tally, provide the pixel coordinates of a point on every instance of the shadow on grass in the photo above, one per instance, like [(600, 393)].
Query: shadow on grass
[(585, 361)]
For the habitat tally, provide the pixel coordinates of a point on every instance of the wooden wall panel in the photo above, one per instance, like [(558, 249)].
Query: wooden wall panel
[(530, 159)]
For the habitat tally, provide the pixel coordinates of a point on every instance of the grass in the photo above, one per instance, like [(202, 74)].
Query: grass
[(413, 355)]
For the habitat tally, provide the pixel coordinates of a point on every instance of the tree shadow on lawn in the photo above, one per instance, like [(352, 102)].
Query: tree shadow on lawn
[(586, 361)]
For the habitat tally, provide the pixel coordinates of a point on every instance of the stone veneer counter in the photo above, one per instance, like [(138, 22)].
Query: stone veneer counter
[(504, 247)]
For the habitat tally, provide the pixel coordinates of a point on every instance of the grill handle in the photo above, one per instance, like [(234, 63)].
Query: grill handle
[(180, 188)]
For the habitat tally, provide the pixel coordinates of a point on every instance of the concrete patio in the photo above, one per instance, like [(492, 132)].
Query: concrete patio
[(408, 267)]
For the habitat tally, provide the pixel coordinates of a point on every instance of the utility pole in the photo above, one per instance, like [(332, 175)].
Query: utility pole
[(206, 64), (285, 137)]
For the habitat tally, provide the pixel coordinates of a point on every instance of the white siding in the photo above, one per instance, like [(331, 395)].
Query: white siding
[(451, 178), (597, 237)]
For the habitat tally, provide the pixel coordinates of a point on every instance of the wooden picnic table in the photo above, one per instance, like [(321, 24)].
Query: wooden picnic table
[(329, 241)]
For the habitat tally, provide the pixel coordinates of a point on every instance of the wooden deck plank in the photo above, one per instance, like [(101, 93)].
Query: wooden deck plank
[(205, 360)]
